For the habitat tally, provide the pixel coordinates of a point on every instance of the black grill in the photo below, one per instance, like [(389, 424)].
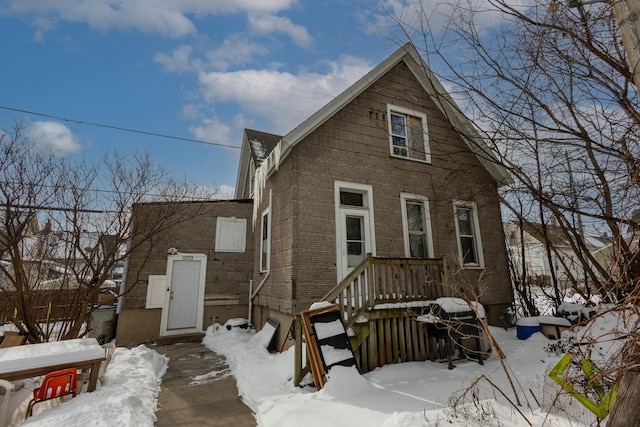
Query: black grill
[(456, 326)]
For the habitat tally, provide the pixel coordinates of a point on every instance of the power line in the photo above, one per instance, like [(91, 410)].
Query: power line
[(142, 132)]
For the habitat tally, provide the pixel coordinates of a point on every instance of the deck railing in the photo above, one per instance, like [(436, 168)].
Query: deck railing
[(371, 300), (378, 281)]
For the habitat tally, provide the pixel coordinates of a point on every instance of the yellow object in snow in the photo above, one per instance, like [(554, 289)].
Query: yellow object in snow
[(603, 406)]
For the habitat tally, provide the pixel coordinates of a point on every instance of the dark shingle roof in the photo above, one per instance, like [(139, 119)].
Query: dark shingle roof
[(261, 144)]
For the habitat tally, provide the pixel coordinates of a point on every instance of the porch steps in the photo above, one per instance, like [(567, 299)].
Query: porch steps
[(173, 339)]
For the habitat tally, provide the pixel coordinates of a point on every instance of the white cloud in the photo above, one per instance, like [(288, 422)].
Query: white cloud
[(42, 26), (235, 50), (282, 98), (178, 60), (269, 23), (168, 18), (224, 192), (433, 16), (53, 136), (214, 130)]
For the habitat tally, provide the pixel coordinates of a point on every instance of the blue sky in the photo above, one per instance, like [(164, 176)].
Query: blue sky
[(201, 69)]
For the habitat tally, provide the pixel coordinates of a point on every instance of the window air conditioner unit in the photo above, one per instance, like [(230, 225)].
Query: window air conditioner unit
[(400, 151)]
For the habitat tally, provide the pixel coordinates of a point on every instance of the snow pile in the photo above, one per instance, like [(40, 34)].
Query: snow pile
[(415, 394)]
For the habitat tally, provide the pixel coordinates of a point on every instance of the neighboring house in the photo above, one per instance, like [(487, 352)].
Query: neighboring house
[(48, 266), (376, 198), (564, 263), (622, 267), (39, 262)]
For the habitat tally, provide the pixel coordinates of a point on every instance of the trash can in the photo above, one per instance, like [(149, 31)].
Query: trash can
[(101, 326)]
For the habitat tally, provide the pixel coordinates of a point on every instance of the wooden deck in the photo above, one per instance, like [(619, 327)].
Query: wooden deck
[(379, 301)]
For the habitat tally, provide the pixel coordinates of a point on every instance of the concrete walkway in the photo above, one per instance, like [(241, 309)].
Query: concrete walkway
[(210, 400)]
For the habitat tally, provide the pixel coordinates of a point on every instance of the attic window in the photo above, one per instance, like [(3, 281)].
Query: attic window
[(408, 136)]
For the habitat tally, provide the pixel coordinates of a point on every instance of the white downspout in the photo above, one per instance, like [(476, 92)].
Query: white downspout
[(250, 301)]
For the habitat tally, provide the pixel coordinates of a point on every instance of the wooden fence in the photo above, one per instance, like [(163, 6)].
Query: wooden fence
[(48, 305)]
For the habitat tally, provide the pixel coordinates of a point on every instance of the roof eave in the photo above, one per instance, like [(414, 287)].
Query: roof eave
[(243, 168)]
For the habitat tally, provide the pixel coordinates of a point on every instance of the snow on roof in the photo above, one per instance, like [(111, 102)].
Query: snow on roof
[(261, 144)]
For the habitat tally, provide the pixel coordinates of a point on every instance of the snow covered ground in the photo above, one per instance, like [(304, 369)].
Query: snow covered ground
[(408, 394), (416, 394)]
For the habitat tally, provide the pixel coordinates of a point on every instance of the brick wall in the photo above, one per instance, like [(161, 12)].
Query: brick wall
[(227, 273), (353, 146)]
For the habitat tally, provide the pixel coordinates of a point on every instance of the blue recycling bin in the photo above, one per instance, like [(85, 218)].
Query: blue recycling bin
[(527, 326)]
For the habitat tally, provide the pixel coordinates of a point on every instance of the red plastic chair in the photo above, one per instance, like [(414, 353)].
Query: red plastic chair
[(55, 384)]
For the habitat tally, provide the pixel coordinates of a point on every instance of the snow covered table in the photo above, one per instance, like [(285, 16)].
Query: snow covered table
[(33, 360)]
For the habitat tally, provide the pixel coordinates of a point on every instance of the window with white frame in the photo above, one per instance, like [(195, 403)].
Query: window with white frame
[(416, 226), (468, 234), (231, 234), (408, 136), (265, 241)]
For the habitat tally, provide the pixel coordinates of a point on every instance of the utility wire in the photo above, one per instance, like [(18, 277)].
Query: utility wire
[(142, 132)]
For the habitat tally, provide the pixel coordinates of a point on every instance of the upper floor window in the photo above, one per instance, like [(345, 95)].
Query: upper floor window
[(408, 134), (468, 234)]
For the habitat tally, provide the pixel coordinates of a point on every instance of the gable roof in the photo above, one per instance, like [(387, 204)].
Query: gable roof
[(256, 146), (410, 56)]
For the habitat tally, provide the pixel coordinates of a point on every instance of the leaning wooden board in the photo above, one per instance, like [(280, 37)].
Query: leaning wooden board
[(327, 341)]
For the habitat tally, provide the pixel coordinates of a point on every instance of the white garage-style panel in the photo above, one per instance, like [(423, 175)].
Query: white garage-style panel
[(156, 290)]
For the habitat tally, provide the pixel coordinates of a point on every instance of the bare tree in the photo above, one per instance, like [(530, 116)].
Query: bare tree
[(551, 89), (52, 276)]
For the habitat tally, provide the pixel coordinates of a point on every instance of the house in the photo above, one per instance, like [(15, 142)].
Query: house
[(560, 257), (619, 257), (386, 195)]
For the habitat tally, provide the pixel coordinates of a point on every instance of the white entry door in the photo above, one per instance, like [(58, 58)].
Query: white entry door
[(184, 303), (354, 239)]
